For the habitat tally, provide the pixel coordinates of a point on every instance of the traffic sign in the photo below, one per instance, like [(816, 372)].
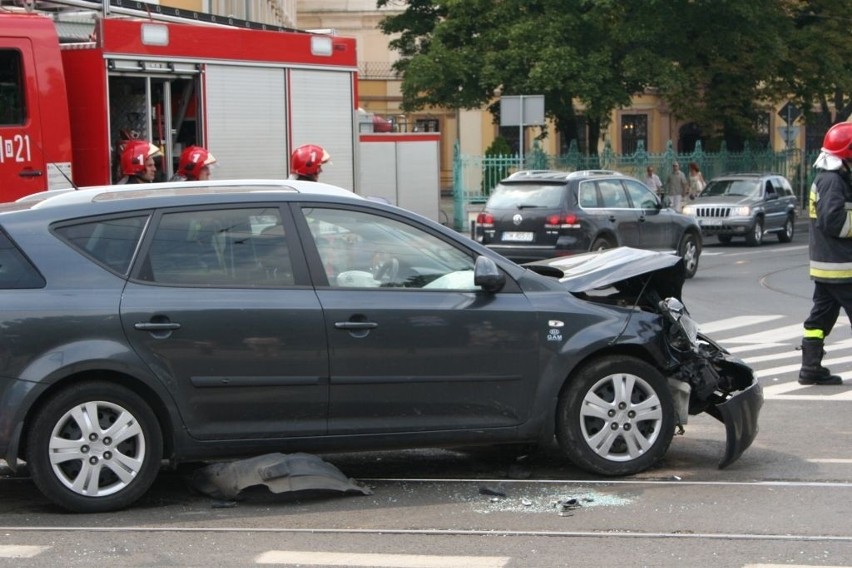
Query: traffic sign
[(789, 113)]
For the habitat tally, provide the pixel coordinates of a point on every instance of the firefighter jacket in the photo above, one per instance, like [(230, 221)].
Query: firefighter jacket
[(830, 212)]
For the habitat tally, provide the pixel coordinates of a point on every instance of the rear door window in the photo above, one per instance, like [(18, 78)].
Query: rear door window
[(16, 272), (225, 248)]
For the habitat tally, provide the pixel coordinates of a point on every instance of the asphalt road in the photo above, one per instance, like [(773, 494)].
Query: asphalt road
[(787, 501)]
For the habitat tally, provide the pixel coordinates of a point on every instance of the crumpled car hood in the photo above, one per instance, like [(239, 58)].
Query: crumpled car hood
[(593, 270)]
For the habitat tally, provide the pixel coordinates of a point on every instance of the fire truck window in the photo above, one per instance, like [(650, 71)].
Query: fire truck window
[(12, 109)]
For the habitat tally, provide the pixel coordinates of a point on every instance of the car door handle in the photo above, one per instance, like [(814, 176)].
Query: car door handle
[(31, 173), (641, 218), (355, 325), (612, 218), (154, 326)]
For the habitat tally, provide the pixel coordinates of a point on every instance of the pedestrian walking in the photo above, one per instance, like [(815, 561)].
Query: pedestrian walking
[(652, 180), (676, 187)]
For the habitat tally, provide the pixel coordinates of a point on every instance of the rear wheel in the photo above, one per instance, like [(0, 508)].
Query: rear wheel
[(755, 237), (690, 250), (616, 416), (95, 447), (601, 243), (786, 234)]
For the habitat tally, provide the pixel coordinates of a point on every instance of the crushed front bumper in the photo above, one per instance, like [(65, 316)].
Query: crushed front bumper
[(739, 414)]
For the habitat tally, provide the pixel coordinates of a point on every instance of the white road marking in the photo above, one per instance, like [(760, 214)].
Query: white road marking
[(20, 551), (842, 461), (738, 321), (305, 558), (777, 335)]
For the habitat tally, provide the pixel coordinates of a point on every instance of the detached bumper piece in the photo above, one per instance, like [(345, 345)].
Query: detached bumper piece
[(739, 414)]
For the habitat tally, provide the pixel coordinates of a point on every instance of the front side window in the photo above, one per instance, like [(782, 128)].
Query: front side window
[(12, 109), (364, 250), (110, 242), (226, 248), (16, 272)]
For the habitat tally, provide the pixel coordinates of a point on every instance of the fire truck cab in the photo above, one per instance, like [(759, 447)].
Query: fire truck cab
[(248, 95)]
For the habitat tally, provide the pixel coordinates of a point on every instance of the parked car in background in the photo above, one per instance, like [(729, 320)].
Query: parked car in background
[(533, 215), (746, 205), (206, 320)]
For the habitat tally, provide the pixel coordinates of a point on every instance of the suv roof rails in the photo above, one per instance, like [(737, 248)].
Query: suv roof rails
[(561, 175)]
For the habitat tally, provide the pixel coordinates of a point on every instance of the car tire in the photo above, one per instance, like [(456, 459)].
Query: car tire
[(102, 429), (724, 239), (601, 243), (690, 251), (616, 416), (755, 237), (786, 234)]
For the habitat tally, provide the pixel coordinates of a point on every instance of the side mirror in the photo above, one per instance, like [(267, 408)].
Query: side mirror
[(487, 275)]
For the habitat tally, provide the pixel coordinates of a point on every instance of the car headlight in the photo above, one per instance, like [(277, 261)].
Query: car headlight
[(688, 210), (743, 211)]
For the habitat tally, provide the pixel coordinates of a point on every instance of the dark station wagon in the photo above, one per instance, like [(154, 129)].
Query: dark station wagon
[(213, 320)]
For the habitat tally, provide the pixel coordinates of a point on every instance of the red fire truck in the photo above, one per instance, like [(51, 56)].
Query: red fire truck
[(248, 95)]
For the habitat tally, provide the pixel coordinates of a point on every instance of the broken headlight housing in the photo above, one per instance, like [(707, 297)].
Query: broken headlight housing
[(683, 331)]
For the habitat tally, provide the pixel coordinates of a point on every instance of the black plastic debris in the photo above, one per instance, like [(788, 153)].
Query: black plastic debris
[(280, 473), (491, 491), (566, 506)]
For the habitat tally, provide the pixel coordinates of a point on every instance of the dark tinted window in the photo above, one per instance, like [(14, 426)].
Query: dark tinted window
[(221, 248), (111, 242), (527, 195), (12, 109), (15, 270)]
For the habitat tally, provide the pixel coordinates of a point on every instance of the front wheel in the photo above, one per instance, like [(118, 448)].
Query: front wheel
[(755, 237), (689, 250), (94, 448), (616, 416), (786, 234)]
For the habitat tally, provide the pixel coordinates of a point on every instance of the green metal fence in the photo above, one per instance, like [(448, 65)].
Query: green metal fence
[(475, 176)]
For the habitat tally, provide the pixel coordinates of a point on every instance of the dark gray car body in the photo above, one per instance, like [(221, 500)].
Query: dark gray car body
[(236, 370)]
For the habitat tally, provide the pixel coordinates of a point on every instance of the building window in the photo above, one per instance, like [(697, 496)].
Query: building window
[(427, 125), (581, 135), (634, 127)]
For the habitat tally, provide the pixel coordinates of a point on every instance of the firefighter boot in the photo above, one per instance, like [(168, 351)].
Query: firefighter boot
[(812, 372)]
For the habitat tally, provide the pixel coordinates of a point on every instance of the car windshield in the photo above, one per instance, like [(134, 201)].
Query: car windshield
[(734, 187), (527, 195)]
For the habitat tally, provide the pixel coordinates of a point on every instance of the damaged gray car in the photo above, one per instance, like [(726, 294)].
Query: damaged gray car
[(225, 319)]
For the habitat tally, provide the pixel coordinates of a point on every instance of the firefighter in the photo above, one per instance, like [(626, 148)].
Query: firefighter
[(194, 164), (137, 162), (306, 162), (830, 212)]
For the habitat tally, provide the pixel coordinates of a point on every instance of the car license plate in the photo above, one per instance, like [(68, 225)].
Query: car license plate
[(710, 222), (518, 236)]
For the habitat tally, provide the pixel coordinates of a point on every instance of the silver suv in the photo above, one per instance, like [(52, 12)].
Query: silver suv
[(746, 205)]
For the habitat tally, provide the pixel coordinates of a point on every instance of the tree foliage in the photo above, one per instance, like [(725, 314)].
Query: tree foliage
[(718, 63)]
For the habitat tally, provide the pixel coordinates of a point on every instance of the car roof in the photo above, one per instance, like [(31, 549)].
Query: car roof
[(557, 175), (747, 175), (171, 189)]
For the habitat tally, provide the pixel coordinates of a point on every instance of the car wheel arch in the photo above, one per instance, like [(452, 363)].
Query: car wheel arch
[(134, 384)]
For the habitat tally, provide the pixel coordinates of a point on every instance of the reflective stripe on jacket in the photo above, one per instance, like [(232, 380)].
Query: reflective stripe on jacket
[(830, 212)]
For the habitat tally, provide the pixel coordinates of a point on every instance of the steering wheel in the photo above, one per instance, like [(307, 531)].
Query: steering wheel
[(387, 271)]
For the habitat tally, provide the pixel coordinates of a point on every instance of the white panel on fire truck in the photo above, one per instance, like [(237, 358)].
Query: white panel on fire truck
[(417, 168), (321, 108), (247, 121), (378, 170)]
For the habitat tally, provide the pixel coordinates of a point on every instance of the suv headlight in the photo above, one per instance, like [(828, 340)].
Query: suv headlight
[(688, 210), (742, 211)]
